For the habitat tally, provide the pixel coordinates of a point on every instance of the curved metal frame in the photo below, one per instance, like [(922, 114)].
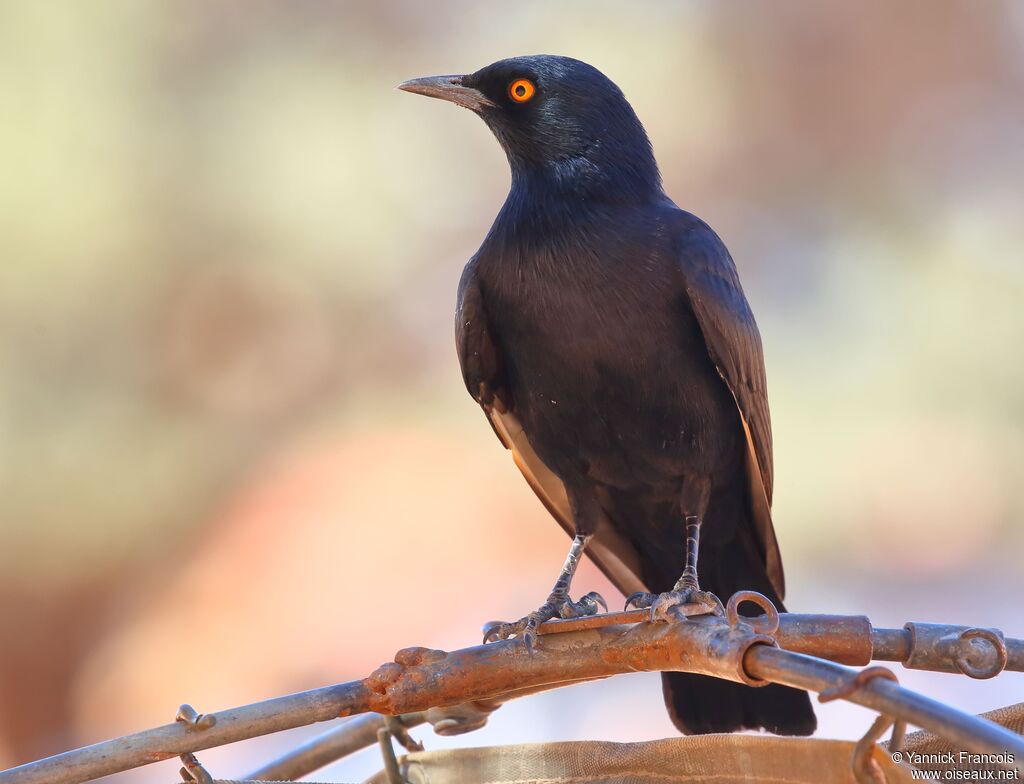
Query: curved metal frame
[(422, 682)]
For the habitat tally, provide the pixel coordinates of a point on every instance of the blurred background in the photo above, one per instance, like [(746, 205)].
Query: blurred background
[(231, 417)]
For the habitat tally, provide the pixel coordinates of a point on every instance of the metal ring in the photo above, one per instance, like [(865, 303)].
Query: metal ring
[(963, 647), (762, 624)]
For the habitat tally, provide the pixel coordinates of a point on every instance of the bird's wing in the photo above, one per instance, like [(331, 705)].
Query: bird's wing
[(734, 343), (482, 370), (612, 554)]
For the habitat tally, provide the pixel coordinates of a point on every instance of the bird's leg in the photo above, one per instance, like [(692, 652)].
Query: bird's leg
[(558, 603), (689, 582), (687, 588), (696, 492)]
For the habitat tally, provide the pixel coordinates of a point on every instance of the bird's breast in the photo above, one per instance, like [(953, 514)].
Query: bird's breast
[(606, 366)]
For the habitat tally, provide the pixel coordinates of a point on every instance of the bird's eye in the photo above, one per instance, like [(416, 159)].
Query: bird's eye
[(521, 90)]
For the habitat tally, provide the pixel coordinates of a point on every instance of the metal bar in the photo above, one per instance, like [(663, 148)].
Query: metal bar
[(851, 639), (840, 638), (806, 672), (845, 639), (890, 645), (979, 653), (354, 735), (172, 740), (361, 732), (420, 679)]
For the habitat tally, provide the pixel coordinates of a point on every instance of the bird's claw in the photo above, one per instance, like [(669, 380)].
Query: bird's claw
[(588, 604), (556, 607), (525, 628), (661, 604)]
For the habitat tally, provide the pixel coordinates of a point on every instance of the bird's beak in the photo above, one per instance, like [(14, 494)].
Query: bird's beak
[(448, 88)]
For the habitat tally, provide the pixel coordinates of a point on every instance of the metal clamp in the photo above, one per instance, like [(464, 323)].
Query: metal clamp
[(975, 652), (846, 689), (459, 719), (194, 720)]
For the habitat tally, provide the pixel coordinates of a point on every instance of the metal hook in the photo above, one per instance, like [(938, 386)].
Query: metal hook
[(863, 764), (400, 732), (193, 772), (391, 769)]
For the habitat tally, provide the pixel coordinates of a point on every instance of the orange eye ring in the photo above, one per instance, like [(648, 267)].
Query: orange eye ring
[(521, 90)]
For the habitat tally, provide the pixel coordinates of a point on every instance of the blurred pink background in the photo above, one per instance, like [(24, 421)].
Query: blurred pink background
[(236, 455)]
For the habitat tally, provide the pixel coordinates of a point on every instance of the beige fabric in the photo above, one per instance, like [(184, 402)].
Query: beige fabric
[(708, 759)]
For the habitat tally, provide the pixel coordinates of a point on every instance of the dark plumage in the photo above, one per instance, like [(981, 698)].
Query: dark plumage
[(606, 335)]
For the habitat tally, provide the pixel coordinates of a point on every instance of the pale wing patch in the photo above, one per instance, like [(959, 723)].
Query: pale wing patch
[(763, 515), (613, 555)]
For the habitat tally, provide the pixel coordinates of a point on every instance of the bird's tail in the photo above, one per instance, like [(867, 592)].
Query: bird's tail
[(700, 704)]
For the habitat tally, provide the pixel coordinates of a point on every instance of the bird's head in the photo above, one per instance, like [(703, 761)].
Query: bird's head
[(561, 122)]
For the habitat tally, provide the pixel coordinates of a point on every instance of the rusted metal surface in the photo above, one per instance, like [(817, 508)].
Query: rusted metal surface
[(840, 638), (845, 639), (419, 679), (979, 653), (973, 651), (765, 623), (890, 645), (361, 732), (807, 672), (425, 680)]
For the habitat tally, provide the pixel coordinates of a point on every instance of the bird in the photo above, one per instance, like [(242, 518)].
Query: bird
[(605, 334)]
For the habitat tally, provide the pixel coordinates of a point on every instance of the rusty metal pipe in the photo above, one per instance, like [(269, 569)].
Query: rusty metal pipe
[(845, 639), (361, 732), (421, 679), (972, 651), (890, 645), (972, 733), (840, 638)]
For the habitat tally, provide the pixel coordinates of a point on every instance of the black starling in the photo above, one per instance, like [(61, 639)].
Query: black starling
[(605, 333)]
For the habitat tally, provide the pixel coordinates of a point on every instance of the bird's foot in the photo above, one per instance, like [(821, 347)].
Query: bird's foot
[(684, 593), (558, 605)]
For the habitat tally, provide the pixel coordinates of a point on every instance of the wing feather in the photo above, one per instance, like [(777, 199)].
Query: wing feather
[(482, 370), (734, 344)]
